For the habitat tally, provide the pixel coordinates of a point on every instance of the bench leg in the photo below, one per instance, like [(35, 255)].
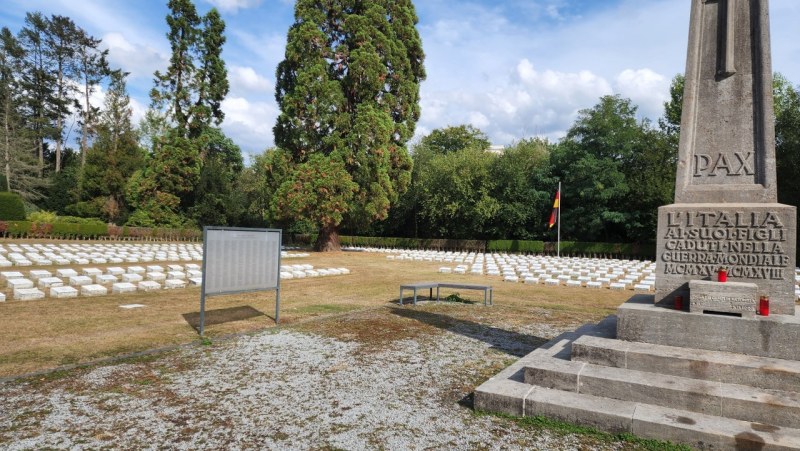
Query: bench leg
[(401, 297), (437, 294)]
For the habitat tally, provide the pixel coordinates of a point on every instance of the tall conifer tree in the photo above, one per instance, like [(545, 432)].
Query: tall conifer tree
[(186, 100), (91, 69), (38, 84), (348, 91), (16, 156), (174, 88), (61, 39), (212, 76)]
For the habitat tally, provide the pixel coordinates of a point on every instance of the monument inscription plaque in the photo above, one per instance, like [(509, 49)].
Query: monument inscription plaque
[(726, 212), (729, 297)]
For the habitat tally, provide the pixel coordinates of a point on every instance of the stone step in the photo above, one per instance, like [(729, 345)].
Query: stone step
[(733, 401), (761, 372), (654, 422)]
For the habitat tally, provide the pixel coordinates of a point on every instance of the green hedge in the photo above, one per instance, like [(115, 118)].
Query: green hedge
[(18, 228), (11, 207), (90, 230), (607, 249), (536, 247)]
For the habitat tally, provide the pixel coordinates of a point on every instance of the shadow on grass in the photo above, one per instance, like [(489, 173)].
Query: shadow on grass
[(224, 315), (509, 342), (409, 300)]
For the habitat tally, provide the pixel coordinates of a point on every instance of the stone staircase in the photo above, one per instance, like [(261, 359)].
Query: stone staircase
[(703, 398)]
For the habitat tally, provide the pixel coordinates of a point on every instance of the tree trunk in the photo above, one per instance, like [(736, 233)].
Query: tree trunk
[(59, 120), (58, 146), (86, 124), (7, 150), (328, 239), (40, 145)]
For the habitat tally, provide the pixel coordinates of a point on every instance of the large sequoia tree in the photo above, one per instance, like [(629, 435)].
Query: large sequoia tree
[(348, 91)]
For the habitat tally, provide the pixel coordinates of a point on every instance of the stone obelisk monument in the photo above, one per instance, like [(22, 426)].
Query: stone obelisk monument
[(726, 214), (712, 374)]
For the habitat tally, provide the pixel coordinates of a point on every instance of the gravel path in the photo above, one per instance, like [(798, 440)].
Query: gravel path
[(277, 390)]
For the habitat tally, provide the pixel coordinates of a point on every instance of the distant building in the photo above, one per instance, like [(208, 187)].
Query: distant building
[(497, 150)]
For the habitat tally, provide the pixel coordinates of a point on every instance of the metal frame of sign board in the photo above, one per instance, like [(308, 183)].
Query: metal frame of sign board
[(205, 259)]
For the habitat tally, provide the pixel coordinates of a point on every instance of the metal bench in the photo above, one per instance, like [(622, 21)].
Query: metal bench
[(487, 290)]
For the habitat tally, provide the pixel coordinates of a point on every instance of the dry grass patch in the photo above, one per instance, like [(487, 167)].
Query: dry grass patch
[(38, 335)]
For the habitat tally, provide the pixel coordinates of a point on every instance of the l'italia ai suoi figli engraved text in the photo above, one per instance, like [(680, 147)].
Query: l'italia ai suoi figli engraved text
[(751, 245)]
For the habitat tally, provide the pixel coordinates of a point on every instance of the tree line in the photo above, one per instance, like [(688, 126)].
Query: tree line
[(62, 154), (348, 93), (615, 170)]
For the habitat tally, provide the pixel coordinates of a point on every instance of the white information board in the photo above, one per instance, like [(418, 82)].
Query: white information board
[(238, 260)]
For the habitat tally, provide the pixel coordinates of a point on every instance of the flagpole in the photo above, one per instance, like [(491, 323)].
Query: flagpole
[(560, 204)]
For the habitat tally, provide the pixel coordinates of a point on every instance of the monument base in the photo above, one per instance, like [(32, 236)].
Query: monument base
[(676, 391), (754, 242), (766, 336)]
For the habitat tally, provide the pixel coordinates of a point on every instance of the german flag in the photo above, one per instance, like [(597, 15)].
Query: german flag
[(554, 213)]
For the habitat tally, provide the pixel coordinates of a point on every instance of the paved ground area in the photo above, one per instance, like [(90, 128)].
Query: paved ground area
[(388, 378)]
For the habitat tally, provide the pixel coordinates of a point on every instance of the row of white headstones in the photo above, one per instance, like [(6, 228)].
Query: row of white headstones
[(307, 271), (69, 283), (596, 273), (100, 254)]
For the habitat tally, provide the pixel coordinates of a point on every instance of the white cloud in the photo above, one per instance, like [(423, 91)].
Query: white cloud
[(266, 48), (137, 111), (249, 123), (234, 5), (478, 119), (246, 79), (527, 102), (140, 60), (645, 88), (529, 76)]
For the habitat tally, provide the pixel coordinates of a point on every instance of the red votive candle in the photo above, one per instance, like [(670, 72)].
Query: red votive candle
[(678, 302), (763, 306), (722, 275)]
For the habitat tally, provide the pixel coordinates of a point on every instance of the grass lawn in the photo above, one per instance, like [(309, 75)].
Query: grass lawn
[(45, 334)]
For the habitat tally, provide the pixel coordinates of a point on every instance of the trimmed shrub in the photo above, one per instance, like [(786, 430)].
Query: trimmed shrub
[(66, 230), (19, 228), (11, 207), (536, 247), (79, 220), (647, 251), (93, 230), (42, 217), (41, 230)]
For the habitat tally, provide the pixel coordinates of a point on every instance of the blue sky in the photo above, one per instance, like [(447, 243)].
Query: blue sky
[(514, 69)]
